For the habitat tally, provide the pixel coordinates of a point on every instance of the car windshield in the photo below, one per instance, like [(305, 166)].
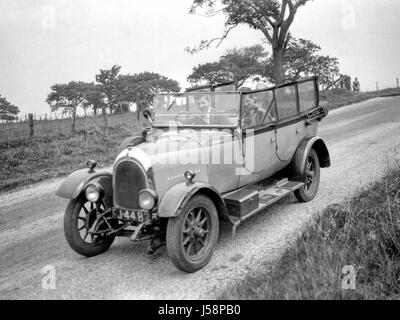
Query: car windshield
[(197, 109)]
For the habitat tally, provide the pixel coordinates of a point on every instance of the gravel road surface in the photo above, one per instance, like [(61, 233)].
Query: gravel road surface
[(362, 139)]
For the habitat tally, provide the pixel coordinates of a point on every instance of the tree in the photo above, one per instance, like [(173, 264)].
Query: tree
[(326, 68), (95, 99), (141, 87), (109, 84), (68, 97), (272, 17), (300, 59), (236, 65), (8, 111)]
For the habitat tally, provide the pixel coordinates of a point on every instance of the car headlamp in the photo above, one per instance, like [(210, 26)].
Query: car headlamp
[(190, 175), (147, 199), (92, 193)]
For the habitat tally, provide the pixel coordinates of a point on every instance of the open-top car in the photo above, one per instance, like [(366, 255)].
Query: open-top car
[(210, 155)]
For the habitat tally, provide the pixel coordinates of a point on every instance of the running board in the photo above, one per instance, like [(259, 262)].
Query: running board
[(257, 199)]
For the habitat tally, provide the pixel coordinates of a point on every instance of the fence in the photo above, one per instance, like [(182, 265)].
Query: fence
[(49, 117)]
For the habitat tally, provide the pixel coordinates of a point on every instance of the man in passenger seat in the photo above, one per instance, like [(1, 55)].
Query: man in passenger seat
[(254, 110)]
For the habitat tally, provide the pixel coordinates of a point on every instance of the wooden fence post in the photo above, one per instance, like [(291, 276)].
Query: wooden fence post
[(397, 79), (31, 124)]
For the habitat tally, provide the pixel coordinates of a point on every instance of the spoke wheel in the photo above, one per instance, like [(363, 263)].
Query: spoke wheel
[(86, 219), (196, 233), (80, 228), (312, 178), (191, 236)]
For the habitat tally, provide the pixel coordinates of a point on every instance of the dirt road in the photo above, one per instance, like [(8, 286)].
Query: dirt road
[(360, 138)]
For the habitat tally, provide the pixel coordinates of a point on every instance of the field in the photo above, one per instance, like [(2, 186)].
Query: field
[(363, 233), (54, 151)]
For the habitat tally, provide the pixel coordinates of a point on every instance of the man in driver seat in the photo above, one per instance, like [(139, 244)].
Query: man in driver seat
[(211, 116), (206, 107)]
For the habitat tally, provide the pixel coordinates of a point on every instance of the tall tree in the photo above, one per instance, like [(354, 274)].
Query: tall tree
[(236, 65), (271, 17), (109, 84), (68, 97), (8, 111), (301, 59), (140, 88), (96, 99)]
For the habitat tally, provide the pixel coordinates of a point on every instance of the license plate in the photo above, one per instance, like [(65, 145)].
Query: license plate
[(132, 215)]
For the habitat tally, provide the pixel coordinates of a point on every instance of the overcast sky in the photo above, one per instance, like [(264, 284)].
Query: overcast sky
[(43, 42)]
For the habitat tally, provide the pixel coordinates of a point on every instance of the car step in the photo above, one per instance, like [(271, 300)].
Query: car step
[(267, 196)]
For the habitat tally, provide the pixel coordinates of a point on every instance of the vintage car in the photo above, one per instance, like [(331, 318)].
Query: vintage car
[(209, 155)]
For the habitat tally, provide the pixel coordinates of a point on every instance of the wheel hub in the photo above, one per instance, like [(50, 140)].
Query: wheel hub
[(196, 231)]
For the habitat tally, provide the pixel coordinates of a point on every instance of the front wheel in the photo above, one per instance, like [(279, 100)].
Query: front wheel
[(312, 178), (191, 236), (79, 218)]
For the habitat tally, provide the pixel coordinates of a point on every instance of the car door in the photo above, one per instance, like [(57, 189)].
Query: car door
[(258, 116), (290, 129)]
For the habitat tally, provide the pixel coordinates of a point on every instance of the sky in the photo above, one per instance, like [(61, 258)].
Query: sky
[(43, 42)]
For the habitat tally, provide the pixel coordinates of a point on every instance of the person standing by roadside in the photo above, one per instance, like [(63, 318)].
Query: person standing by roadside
[(356, 85)]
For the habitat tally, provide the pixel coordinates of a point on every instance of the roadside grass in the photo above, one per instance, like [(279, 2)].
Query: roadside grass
[(54, 151), (337, 98), (363, 233)]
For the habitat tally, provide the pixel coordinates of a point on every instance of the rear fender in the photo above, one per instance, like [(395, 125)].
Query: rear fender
[(298, 163), (75, 184), (176, 198)]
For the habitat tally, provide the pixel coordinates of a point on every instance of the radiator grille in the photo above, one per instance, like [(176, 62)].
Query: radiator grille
[(129, 179)]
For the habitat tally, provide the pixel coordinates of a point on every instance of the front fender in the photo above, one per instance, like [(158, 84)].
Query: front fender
[(175, 199), (298, 163), (75, 183)]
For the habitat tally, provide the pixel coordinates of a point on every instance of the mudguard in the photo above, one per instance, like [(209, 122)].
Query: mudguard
[(175, 199), (297, 165), (76, 183)]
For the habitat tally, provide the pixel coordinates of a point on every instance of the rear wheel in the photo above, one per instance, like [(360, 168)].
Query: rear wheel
[(79, 219), (312, 178), (191, 236)]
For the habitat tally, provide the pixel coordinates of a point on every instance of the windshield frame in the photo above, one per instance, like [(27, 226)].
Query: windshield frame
[(201, 126)]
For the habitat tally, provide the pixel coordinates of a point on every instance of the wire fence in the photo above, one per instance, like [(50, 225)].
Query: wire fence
[(52, 116)]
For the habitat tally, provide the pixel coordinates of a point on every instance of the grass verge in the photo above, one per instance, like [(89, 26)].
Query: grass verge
[(364, 233), (55, 153), (340, 97)]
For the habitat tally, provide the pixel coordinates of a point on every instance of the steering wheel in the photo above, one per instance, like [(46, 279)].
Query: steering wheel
[(192, 115)]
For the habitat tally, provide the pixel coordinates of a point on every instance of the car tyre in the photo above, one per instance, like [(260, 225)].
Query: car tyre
[(312, 176), (191, 236), (79, 217)]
